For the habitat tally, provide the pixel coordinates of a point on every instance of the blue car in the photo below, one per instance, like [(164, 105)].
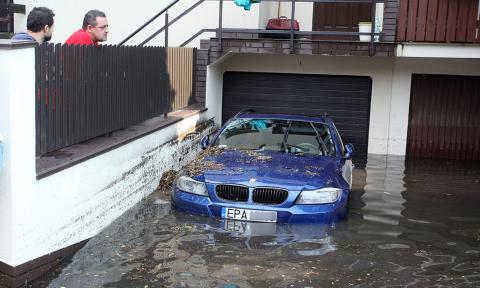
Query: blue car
[(269, 168)]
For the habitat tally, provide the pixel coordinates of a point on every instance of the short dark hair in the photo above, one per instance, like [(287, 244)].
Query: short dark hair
[(38, 18), (91, 18)]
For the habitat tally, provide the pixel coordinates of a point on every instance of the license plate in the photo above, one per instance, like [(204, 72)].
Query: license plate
[(249, 215), (250, 228)]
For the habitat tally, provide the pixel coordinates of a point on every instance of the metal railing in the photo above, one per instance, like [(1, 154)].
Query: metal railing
[(292, 33)]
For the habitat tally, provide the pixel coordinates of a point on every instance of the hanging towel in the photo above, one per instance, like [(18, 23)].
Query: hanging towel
[(246, 4)]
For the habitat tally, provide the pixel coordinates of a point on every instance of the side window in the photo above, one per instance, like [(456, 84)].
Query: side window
[(340, 142), (7, 10), (4, 17)]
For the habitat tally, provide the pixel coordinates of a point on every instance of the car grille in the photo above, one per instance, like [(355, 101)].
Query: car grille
[(269, 195), (232, 192)]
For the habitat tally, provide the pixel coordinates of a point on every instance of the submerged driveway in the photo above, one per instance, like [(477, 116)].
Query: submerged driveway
[(412, 223)]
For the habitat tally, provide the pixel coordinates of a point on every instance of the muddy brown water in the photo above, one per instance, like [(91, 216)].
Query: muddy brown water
[(412, 223)]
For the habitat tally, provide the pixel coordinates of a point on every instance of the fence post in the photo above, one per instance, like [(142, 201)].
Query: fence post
[(166, 29)]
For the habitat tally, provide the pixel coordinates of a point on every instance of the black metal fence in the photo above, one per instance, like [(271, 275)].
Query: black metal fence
[(85, 91)]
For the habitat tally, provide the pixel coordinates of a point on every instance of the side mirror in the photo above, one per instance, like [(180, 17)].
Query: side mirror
[(205, 141), (348, 151)]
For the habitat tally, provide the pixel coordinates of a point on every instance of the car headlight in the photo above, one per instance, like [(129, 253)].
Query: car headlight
[(319, 196), (189, 185)]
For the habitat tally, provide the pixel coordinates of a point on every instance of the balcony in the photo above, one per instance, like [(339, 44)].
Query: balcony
[(327, 27)]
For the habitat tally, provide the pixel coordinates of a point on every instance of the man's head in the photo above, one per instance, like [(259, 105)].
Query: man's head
[(40, 21), (96, 25)]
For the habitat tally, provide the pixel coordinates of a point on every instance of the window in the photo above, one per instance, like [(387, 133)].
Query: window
[(7, 10)]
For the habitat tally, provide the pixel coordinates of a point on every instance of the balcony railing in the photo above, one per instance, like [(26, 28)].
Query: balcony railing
[(447, 21), (292, 35)]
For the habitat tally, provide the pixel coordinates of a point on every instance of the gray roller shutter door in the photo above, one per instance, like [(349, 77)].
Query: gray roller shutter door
[(345, 98)]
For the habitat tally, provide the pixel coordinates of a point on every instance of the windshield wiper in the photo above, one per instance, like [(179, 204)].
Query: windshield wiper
[(285, 136)]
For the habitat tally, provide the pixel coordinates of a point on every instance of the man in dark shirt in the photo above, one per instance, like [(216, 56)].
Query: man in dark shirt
[(39, 26), (94, 30)]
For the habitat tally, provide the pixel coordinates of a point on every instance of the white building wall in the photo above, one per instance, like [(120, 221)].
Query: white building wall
[(38, 217), (13, 121), (125, 17)]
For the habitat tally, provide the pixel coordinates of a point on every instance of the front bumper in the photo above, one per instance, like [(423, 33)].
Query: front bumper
[(202, 205)]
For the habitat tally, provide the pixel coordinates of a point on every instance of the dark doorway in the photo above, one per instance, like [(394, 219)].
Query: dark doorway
[(342, 17)]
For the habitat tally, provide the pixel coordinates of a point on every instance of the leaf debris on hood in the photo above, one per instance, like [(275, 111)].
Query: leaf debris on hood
[(313, 170), (200, 164)]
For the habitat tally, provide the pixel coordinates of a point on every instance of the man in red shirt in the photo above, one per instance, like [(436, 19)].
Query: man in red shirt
[(94, 30)]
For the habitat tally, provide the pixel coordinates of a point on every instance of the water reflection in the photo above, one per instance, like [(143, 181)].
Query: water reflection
[(412, 223), (382, 196)]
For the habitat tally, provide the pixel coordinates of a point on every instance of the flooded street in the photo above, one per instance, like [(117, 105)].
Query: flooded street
[(412, 223)]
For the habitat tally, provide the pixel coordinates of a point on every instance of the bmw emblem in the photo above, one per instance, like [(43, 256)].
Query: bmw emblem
[(253, 180)]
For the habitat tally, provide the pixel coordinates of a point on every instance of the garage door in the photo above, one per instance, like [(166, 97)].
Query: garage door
[(444, 120), (345, 98)]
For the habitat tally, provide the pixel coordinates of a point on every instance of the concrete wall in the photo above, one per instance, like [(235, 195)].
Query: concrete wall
[(13, 123), (126, 17), (38, 217), (391, 81)]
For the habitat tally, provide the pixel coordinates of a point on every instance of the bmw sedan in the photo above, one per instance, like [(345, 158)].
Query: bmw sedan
[(269, 168)]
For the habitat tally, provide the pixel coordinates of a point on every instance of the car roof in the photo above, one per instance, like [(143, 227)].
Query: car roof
[(319, 119)]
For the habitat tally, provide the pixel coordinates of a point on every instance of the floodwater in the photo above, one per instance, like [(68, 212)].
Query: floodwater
[(412, 223)]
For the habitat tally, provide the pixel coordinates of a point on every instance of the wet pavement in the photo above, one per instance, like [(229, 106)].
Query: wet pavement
[(412, 223)]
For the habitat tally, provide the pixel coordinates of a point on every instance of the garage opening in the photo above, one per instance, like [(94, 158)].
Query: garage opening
[(345, 98), (444, 120)]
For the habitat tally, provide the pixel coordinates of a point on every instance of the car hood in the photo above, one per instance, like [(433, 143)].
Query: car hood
[(271, 169)]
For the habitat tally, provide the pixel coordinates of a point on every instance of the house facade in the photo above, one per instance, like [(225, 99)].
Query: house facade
[(415, 94), (411, 87)]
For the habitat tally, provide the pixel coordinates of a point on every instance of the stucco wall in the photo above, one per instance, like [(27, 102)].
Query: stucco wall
[(126, 17), (14, 63)]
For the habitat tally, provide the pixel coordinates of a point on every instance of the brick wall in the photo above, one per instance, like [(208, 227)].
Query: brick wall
[(390, 20)]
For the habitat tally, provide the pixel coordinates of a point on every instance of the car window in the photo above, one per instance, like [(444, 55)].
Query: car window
[(277, 135)]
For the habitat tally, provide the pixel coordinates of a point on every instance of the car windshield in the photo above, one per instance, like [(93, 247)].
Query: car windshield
[(278, 135)]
